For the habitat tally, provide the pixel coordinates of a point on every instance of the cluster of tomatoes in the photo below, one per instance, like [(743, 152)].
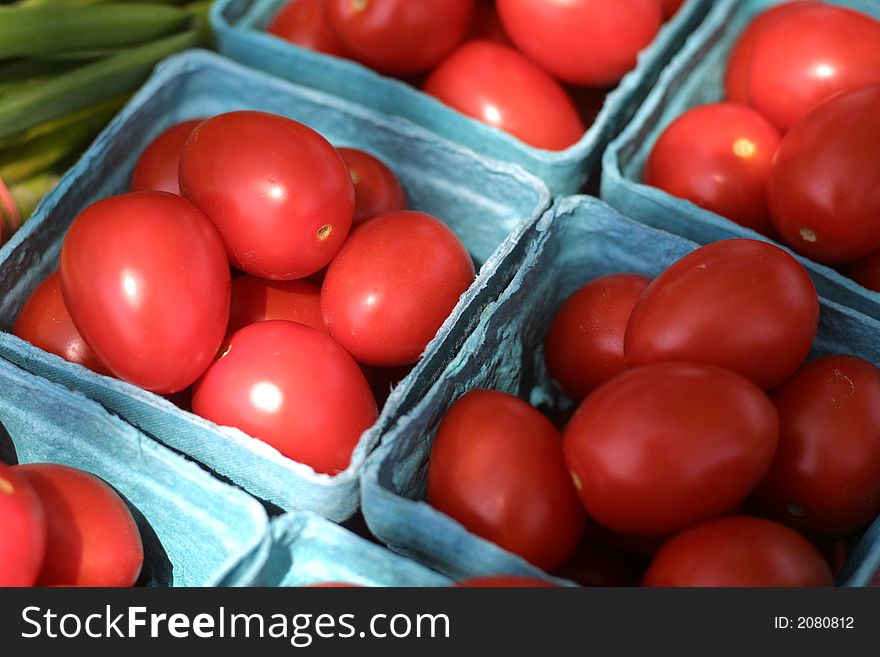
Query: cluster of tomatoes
[(64, 527), (702, 437), (518, 65), (335, 283), (792, 153)]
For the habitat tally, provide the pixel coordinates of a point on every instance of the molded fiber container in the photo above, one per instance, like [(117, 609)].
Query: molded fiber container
[(307, 549), (490, 205), (196, 530), (696, 77), (239, 28), (582, 240)]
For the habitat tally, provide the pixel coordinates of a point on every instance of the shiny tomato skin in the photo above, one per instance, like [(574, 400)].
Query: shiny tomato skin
[(278, 192), (504, 581), (304, 23), (257, 300), (823, 193), (500, 87), (291, 387), (400, 37), (741, 304), (147, 283), (584, 42), (93, 539), (825, 477), (496, 467), (739, 551), (718, 156), (736, 79), (392, 286), (157, 168), (376, 188), (23, 537), (807, 57), (45, 323), (865, 271), (662, 447), (583, 347)]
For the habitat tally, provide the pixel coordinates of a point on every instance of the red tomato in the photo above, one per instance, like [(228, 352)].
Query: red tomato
[(304, 23), (825, 477), (376, 188), (256, 300), (293, 388), (400, 36), (505, 581), (278, 192), (865, 271), (498, 86), (664, 446), (45, 323), (392, 285), (23, 535), (739, 551), (736, 80), (586, 42), (670, 7), (157, 168), (92, 537), (583, 347), (496, 467), (718, 156), (824, 194), (741, 304), (814, 53), (147, 283)]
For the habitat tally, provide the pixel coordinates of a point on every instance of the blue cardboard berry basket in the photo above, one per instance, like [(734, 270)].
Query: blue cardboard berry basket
[(196, 530), (492, 206), (308, 549), (239, 28), (694, 77), (580, 239)]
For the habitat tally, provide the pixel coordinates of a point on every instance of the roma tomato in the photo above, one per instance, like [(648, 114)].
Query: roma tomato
[(504, 581), (670, 7), (400, 37), (304, 23), (583, 347), (45, 323), (293, 388), (824, 194), (147, 282), (865, 271), (825, 477), (741, 304), (23, 535), (585, 42), (662, 447), (736, 79), (157, 168), (278, 192), (256, 300), (498, 86), (806, 56), (739, 551), (719, 157), (92, 537), (392, 285), (496, 466), (376, 188)]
